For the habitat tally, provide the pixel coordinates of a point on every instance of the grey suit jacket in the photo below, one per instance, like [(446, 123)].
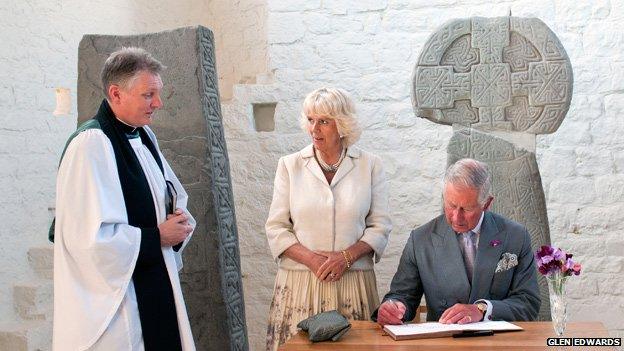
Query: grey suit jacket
[(432, 264)]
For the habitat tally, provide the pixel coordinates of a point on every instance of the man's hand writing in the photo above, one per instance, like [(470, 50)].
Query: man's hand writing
[(391, 312)]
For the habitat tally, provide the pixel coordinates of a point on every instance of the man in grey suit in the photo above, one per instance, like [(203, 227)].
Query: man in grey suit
[(471, 264)]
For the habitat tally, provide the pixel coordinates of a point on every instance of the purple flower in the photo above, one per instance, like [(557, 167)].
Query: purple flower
[(495, 243), (558, 254), (544, 251), (546, 259), (552, 260), (567, 265)]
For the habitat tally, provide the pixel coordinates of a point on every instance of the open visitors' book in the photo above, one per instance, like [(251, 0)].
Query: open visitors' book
[(438, 330)]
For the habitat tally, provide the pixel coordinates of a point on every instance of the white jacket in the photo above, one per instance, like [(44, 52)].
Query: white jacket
[(307, 210)]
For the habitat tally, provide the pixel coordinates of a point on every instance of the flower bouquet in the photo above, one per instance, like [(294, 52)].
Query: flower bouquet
[(556, 265)]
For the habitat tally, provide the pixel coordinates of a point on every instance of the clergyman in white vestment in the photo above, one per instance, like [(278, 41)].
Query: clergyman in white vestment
[(121, 223)]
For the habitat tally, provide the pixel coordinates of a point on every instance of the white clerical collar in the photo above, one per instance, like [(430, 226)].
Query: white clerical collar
[(124, 123)]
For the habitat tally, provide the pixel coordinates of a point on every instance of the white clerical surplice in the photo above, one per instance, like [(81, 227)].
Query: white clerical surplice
[(96, 250)]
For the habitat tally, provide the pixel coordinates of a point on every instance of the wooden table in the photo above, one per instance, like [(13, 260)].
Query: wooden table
[(365, 335)]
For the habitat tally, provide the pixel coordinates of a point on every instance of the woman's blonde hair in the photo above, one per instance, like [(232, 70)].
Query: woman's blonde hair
[(336, 104)]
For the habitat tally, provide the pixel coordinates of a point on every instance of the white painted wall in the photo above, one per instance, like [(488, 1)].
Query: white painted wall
[(370, 47)]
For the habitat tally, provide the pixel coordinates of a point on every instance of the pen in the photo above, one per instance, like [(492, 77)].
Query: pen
[(471, 333)]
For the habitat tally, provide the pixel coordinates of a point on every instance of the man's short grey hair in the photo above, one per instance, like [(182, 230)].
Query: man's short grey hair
[(123, 66), (336, 104), (469, 173)]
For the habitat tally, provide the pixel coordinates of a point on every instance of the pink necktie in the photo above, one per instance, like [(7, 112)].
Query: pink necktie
[(469, 250)]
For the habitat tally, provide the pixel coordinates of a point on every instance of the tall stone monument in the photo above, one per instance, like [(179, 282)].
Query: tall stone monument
[(190, 135), (498, 82)]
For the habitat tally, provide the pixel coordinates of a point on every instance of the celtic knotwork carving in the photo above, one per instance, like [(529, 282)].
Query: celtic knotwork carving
[(519, 83), (521, 114), (431, 87), (545, 83), (538, 34), (549, 83), (549, 120), (461, 112), (439, 86), (519, 53), (481, 146), (491, 85), (490, 36), (460, 55), (229, 255), (438, 42), (519, 77), (492, 118)]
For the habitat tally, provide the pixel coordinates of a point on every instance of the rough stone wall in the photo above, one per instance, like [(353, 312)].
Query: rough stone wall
[(370, 48), (241, 41), (38, 53)]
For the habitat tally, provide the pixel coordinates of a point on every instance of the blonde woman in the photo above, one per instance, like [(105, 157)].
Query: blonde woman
[(328, 222)]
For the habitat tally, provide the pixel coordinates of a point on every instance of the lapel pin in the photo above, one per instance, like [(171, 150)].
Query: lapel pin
[(495, 243)]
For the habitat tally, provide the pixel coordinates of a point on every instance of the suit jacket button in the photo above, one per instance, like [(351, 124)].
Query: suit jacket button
[(443, 302)]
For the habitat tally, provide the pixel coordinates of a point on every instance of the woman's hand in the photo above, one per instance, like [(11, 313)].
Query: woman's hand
[(333, 268), (315, 261), (312, 260)]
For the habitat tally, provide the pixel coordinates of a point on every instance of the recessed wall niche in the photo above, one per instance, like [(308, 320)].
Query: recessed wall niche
[(264, 116)]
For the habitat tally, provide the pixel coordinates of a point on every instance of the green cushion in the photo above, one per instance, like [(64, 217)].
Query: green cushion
[(325, 326)]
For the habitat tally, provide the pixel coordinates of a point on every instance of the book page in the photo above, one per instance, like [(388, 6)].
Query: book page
[(420, 328), (489, 325), (435, 327)]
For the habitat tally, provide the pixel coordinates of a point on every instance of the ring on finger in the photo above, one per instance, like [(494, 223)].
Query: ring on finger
[(469, 318)]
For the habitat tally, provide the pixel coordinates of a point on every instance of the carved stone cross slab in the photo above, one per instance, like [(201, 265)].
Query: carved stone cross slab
[(503, 73)]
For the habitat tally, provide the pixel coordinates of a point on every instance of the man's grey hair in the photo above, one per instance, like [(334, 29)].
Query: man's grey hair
[(469, 173), (123, 66)]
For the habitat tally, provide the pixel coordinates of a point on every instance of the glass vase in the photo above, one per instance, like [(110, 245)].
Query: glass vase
[(556, 287)]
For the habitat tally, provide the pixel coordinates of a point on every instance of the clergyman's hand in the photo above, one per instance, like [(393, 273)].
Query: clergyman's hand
[(461, 314), (175, 229), (177, 212), (391, 312)]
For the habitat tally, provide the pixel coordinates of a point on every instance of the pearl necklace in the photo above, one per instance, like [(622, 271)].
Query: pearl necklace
[(327, 167)]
